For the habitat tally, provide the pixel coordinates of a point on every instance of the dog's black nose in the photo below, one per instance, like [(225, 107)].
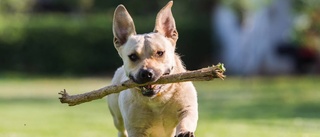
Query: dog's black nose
[(145, 75)]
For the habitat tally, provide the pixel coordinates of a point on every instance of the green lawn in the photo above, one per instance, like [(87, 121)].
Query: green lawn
[(236, 107)]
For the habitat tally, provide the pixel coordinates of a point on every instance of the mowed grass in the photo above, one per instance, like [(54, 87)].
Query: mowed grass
[(235, 107)]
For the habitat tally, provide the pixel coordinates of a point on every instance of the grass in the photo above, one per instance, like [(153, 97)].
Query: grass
[(236, 107)]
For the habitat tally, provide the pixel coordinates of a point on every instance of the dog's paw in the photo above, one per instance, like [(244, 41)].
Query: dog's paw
[(185, 134)]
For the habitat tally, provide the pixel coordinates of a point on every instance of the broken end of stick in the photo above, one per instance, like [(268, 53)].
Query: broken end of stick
[(72, 100), (64, 97), (219, 70), (221, 76)]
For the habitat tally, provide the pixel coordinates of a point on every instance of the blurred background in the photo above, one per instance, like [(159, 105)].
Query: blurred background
[(270, 49), (74, 37)]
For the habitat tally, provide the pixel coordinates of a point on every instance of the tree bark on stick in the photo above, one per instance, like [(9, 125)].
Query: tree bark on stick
[(204, 74)]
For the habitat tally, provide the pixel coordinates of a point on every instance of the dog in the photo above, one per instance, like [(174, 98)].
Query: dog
[(166, 110)]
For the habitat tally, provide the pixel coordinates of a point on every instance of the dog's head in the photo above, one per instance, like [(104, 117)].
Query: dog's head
[(146, 57)]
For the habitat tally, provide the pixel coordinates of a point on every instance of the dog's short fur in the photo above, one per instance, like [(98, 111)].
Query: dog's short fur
[(155, 110)]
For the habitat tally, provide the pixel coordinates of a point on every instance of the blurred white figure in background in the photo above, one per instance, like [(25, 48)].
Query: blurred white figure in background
[(250, 48)]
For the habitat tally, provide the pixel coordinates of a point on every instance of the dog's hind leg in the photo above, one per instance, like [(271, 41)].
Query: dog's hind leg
[(115, 112)]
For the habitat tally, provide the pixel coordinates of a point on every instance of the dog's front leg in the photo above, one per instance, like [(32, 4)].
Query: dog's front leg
[(188, 111), (188, 123)]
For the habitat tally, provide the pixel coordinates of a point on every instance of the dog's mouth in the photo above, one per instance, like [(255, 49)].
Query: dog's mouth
[(150, 90)]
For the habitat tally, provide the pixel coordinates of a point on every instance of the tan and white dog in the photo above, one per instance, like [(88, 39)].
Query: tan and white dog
[(154, 110)]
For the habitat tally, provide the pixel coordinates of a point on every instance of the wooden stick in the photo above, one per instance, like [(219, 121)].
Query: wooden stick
[(204, 74)]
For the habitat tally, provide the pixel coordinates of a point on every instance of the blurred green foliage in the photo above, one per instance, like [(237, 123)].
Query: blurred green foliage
[(77, 37), (59, 43)]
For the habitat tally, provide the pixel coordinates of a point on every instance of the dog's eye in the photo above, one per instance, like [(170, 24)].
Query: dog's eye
[(160, 53), (133, 57)]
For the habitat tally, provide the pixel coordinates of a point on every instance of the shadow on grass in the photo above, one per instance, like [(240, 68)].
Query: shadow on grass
[(261, 97), (256, 108)]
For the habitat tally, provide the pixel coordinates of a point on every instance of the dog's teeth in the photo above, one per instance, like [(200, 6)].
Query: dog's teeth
[(148, 87)]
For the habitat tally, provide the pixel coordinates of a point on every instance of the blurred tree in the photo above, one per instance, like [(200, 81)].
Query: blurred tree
[(307, 23), (13, 14), (16, 6)]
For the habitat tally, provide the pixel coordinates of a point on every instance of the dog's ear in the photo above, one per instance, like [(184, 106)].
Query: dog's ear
[(165, 23), (123, 26)]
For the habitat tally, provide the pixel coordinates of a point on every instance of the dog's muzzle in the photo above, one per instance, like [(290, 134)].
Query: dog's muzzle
[(151, 90)]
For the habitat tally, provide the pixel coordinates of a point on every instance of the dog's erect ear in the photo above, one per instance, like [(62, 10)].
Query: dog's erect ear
[(123, 26), (165, 23)]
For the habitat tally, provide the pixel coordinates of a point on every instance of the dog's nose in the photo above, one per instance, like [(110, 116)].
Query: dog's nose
[(145, 75)]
